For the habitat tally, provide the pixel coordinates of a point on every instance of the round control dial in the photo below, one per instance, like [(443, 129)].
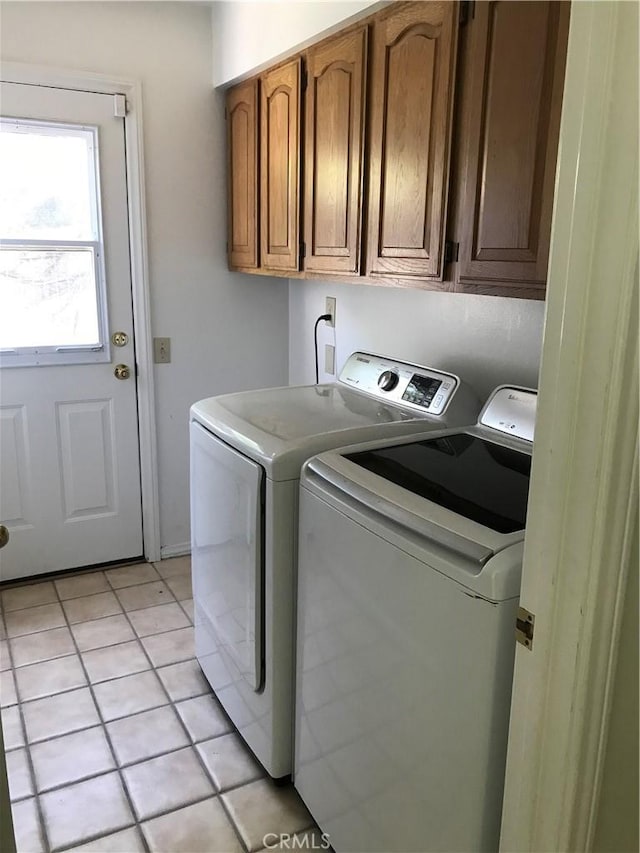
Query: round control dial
[(388, 380)]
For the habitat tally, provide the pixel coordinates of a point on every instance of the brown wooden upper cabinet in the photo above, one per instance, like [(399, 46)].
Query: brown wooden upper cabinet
[(280, 167), (411, 104), (513, 58), (334, 133), (447, 113), (242, 175)]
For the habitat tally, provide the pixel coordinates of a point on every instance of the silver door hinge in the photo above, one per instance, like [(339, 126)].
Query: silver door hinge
[(525, 622), (120, 107)]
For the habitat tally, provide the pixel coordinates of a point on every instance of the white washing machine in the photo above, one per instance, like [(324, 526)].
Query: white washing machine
[(409, 566), (247, 450)]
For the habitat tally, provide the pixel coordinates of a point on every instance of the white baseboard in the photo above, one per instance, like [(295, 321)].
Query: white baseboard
[(181, 550)]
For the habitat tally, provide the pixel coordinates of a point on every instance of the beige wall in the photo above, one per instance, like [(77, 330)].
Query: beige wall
[(248, 35), (228, 331), (487, 340)]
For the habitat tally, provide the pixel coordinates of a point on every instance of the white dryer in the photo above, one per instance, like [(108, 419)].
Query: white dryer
[(247, 450), (410, 555)]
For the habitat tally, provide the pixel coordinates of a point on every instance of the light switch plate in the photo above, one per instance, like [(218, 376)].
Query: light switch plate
[(162, 350)]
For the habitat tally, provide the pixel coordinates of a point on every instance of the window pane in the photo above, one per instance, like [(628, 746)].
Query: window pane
[(48, 298), (47, 182)]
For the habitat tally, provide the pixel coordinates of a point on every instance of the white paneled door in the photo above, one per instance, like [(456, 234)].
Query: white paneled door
[(69, 453)]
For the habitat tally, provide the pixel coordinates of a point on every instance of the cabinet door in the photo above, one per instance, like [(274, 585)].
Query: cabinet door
[(333, 156), (242, 175), (411, 95), (280, 167), (513, 80)]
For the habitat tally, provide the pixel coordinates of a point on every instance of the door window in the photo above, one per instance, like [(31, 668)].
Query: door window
[(52, 283)]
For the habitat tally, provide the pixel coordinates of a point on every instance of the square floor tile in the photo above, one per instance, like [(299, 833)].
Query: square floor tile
[(115, 661), (19, 774), (146, 735), (180, 586), (86, 809), (144, 595), (263, 807), (12, 728), (108, 631), (26, 827), (58, 715), (91, 607), (174, 566), (52, 676), (187, 606), (5, 660), (184, 680), (166, 783), (33, 619), (45, 645), (127, 841), (8, 694), (156, 620), (80, 586), (132, 575), (201, 828), (70, 758), (29, 595), (171, 647), (204, 718), (129, 695), (229, 761)]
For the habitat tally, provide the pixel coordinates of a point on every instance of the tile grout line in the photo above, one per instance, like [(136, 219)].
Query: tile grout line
[(112, 589), (193, 746), (27, 750), (106, 735), (190, 744)]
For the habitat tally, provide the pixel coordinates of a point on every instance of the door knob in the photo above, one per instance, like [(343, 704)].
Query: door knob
[(119, 339), (122, 371), (4, 535)]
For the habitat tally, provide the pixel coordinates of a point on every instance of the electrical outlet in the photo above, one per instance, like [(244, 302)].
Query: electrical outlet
[(329, 358), (162, 350), (330, 308)]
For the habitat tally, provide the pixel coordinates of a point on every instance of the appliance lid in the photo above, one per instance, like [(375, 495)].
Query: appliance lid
[(419, 514), (483, 481), (282, 427)]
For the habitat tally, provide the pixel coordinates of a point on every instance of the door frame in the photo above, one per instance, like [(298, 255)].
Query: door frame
[(39, 75), (583, 506)]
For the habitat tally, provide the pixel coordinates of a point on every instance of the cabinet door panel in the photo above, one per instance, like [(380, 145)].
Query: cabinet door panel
[(513, 89), (334, 146), (280, 166), (412, 90), (242, 148)]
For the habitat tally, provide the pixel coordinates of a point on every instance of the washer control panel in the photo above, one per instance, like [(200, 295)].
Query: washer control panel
[(512, 410), (420, 388)]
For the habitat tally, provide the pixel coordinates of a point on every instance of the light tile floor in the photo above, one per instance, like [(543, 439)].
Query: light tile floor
[(114, 741)]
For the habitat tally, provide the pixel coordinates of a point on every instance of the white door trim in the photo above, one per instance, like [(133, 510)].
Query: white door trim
[(584, 488), (17, 72)]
